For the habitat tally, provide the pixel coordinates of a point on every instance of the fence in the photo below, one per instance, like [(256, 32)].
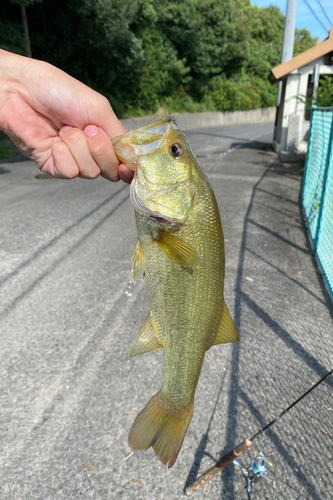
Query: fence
[(317, 194)]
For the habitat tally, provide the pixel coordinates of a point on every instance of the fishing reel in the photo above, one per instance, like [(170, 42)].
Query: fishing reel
[(259, 468)]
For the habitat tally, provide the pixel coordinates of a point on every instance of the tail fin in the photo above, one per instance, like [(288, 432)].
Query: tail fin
[(162, 427)]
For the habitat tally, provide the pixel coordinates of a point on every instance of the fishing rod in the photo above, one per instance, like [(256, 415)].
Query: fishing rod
[(243, 446)]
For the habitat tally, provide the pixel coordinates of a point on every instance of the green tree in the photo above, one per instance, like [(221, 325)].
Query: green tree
[(11, 37), (162, 72), (146, 54), (303, 41), (325, 91), (203, 32), (264, 43), (92, 41)]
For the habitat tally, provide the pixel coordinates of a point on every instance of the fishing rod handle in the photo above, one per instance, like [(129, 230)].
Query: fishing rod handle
[(220, 464)]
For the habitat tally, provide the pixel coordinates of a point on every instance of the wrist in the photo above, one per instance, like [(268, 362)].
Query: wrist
[(12, 72)]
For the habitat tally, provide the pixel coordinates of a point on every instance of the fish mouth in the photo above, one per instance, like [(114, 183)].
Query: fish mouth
[(152, 215), (142, 141), (160, 220)]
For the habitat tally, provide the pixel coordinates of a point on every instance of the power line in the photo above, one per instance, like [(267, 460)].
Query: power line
[(313, 12), (322, 8)]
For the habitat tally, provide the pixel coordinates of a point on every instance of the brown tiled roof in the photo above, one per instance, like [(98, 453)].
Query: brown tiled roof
[(307, 57)]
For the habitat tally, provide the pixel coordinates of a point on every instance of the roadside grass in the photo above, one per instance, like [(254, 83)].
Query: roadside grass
[(7, 148)]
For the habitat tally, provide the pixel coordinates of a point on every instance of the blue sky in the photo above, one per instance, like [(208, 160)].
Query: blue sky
[(304, 17)]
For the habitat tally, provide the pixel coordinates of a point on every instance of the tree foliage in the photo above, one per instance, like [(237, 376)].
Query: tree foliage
[(303, 41), (325, 91), (148, 54)]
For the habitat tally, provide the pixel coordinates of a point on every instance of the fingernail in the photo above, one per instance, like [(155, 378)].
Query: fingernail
[(56, 139), (91, 130), (65, 128)]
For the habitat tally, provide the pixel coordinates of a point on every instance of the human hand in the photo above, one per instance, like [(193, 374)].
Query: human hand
[(59, 122)]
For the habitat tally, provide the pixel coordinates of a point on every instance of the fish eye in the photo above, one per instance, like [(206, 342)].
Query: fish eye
[(176, 150)]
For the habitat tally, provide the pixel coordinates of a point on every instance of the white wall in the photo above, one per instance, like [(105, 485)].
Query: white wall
[(294, 103)]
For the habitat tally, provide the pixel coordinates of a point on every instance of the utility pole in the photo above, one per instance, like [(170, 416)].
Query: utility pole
[(289, 31), (288, 46)]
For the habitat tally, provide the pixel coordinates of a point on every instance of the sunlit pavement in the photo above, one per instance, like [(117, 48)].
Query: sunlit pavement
[(68, 314)]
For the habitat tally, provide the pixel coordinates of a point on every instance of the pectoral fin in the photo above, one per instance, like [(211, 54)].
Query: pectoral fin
[(227, 331), (177, 250), (138, 262), (146, 340)]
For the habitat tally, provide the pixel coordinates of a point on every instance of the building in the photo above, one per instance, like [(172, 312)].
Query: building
[(299, 81)]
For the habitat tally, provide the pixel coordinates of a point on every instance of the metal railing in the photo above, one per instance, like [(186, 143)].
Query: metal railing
[(317, 192)]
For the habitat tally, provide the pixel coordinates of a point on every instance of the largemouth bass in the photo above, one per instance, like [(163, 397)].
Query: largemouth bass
[(180, 251)]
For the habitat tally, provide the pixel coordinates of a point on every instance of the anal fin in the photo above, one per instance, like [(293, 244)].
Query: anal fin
[(227, 331), (146, 340)]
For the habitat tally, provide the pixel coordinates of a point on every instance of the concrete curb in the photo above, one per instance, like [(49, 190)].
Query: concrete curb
[(190, 121)]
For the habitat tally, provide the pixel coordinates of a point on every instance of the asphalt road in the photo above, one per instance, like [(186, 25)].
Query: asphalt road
[(69, 312)]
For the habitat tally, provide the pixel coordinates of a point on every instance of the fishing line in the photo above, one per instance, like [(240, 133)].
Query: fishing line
[(290, 407), (244, 445)]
